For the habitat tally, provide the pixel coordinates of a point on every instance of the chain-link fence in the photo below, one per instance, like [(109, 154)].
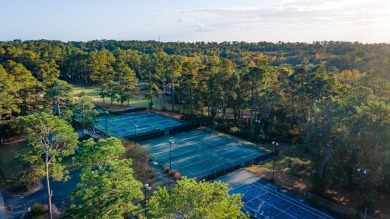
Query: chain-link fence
[(339, 210)]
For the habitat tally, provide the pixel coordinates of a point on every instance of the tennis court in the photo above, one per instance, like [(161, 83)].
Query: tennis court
[(202, 154), (128, 124), (265, 200)]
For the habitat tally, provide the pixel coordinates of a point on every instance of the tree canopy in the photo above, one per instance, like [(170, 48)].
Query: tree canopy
[(107, 186), (192, 199), (330, 97), (52, 139)]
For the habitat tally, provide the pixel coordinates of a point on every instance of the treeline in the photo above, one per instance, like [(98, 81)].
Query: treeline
[(342, 55), (331, 97)]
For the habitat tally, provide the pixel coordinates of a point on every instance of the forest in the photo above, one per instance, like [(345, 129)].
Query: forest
[(330, 98)]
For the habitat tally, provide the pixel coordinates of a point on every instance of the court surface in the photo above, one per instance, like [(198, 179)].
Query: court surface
[(134, 123), (202, 154), (265, 200)]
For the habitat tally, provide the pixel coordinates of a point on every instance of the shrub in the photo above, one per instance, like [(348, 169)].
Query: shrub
[(177, 176), (166, 170), (172, 173), (37, 209), (297, 167), (234, 130)]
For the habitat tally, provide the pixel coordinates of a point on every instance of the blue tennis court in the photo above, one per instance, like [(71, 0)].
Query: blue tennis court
[(265, 200), (201, 153), (134, 124)]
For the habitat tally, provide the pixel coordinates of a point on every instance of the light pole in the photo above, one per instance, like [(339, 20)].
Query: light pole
[(136, 126), (170, 153), (257, 121), (146, 188), (362, 171), (82, 120), (273, 166), (106, 121)]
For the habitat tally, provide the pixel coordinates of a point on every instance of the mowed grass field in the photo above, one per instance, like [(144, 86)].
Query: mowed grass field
[(139, 101), (12, 167), (91, 91), (9, 164)]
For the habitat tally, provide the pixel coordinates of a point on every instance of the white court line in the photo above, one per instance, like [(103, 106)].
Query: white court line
[(192, 164), (275, 192), (282, 211), (298, 204)]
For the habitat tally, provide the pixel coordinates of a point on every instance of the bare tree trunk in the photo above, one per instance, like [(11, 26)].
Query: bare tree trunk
[(173, 94), (58, 106), (252, 106), (191, 102), (48, 188), (163, 95), (224, 105)]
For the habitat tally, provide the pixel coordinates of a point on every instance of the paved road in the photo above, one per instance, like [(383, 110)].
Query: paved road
[(2, 207), (61, 192)]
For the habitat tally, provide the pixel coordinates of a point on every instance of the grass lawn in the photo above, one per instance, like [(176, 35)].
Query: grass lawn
[(139, 101), (91, 91), (68, 163), (10, 165), (282, 175), (290, 161)]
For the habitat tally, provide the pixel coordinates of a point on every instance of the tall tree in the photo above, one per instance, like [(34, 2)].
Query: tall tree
[(26, 82), (107, 186), (126, 81), (209, 77), (52, 139), (9, 102), (83, 111), (188, 84), (191, 199), (75, 68), (152, 80), (161, 74), (100, 69), (48, 71), (59, 96), (100, 66), (257, 81), (227, 68), (175, 67), (239, 92)]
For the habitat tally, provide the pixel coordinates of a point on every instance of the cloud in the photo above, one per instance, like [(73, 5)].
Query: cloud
[(155, 22), (200, 27), (292, 19), (332, 13)]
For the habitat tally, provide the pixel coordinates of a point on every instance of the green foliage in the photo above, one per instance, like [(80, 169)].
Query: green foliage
[(37, 210), (297, 167), (25, 83), (52, 139), (107, 186), (126, 85), (48, 71), (349, 133), (234, 130), (83, 110), (191, 199), (58, 96), (331, 96), (9, 102), (140, 157)]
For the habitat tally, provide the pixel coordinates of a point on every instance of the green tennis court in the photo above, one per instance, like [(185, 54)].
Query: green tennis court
[(130, 124), (203, 154)]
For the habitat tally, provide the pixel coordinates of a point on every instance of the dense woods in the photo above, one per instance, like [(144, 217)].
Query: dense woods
[(332, 98)]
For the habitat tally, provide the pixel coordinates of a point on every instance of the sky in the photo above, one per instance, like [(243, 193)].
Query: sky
[(366, 21)]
